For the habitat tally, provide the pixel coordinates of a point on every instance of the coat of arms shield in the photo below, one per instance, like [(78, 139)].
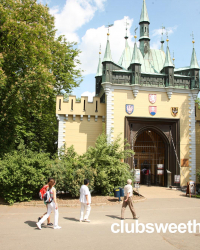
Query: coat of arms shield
[(152, 98), (174, 111), (129, 108), (152, 110)]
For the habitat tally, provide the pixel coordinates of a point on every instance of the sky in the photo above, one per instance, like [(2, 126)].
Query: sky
[(85, 21)]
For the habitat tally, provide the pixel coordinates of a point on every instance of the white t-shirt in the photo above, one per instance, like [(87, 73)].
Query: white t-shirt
[(84, 190), (128, 189)]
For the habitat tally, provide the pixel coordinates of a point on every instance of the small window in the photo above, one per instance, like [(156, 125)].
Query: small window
[(84, 105), (145, 29), (72, 105), (96, 106), (59, 104)]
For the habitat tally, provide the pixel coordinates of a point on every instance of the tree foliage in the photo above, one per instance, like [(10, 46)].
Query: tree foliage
[(34, 67), (23, 172)]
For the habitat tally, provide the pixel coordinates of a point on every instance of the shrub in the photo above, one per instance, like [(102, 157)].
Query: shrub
[(22, 174), (106, 159)]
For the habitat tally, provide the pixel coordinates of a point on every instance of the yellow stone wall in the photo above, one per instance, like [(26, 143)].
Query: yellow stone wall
[(141, 109), (82, 134)]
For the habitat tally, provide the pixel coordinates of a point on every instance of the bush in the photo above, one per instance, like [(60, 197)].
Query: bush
[(107, 159), (24, 172)]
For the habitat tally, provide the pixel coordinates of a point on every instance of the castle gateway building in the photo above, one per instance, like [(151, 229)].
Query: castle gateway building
[(147, 100)]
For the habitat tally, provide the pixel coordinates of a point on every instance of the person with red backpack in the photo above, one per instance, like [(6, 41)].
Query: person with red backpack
[(50, 199), (42, 192)]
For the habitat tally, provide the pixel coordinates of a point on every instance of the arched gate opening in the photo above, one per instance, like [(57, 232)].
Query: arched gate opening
[(150, 157)]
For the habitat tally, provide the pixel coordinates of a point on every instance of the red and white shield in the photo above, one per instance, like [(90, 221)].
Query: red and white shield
[(152, 98)]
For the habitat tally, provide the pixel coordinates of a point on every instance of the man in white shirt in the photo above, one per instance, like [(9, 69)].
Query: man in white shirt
[(85, 199), (128, 193)]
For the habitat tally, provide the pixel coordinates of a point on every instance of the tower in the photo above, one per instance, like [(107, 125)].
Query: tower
[(144, 30), (98, 76), (168, 68), (194, 69), (135, 66)]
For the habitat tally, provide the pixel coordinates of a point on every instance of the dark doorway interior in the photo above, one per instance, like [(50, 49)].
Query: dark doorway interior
[(149, 151), (151, 141)]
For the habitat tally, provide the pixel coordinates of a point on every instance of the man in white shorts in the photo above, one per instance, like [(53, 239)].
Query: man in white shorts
[(85, 199)]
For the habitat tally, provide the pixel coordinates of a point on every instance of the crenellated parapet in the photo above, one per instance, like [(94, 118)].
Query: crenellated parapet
[(82, 108)]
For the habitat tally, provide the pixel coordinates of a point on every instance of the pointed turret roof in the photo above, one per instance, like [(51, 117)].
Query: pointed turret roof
[(135, 57), (125, 58), (144, 14), (194, 63), (168, 60), (99, 69), (107, 55)]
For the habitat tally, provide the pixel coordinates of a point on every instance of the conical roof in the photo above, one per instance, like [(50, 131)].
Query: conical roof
[(194, 63), (135, 57), (99, 68), (125, 58), (107, 55), (168, 60), (144, 14)]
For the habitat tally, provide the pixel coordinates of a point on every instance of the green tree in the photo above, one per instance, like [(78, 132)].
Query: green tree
[(35, 66)]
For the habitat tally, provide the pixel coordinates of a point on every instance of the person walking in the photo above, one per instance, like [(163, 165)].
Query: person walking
[(51, 205), (85, 199), (48, 219), (128, 193)]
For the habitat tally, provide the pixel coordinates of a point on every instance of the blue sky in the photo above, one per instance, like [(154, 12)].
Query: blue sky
[(84, 21)]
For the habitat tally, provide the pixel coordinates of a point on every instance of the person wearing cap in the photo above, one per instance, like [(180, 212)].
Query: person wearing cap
[(128, 193)]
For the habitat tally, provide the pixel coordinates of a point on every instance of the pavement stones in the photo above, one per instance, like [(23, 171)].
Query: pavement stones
[(18, 225)]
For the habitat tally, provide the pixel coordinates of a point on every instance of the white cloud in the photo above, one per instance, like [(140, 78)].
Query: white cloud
[(92, 39), (74, 15), (158, 32), (89, 94)]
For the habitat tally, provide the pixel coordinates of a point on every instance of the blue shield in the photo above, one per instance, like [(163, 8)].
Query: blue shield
[(129, 108)]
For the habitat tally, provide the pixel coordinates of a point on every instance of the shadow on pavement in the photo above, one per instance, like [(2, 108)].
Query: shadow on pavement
[(30, 223), (33, 224), (69, 218), (113, 200), (114, 217)]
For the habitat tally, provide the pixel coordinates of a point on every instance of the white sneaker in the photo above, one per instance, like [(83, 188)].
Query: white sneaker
[(38, 225), (81, 220), (86, 220), (57, 227)]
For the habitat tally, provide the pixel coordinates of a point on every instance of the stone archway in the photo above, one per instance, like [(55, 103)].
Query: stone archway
[(151, 149), (159, 150)]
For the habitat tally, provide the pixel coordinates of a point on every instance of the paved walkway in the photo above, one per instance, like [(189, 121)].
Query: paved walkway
[(18, 231)]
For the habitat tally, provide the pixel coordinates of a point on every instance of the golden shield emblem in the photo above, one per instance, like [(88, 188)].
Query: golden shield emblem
[(174, 111)]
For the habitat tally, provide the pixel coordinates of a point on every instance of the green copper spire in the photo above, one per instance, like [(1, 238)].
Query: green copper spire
[(194, 63), (107, 55), (168, 60), (99, 69), (135, 55), (144, 14)]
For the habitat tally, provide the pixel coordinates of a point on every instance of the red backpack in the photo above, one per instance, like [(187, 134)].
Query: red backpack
[(43, 191)]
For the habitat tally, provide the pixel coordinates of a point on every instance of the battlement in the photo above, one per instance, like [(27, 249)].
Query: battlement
[(72, 107)]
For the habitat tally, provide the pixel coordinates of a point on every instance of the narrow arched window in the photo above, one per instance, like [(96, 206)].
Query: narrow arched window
[(96, 106), (84, 105), (59, 104), (72, 105)]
